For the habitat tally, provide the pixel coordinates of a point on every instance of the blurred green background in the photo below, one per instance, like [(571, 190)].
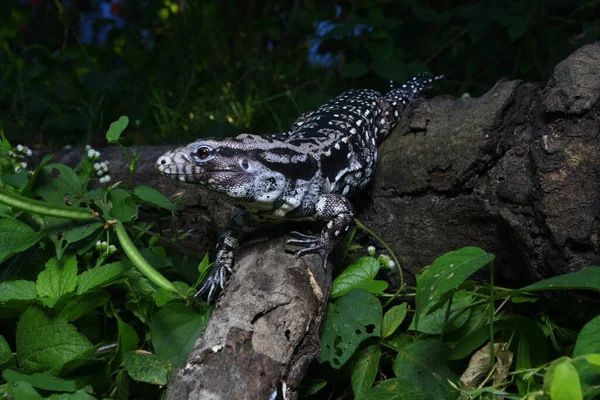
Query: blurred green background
[(187, 69)]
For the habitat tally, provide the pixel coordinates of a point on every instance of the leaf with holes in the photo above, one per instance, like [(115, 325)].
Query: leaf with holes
[(351, 319), (447, 273)]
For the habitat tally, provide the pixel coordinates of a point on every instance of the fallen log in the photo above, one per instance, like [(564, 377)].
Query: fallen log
[(515, 172)]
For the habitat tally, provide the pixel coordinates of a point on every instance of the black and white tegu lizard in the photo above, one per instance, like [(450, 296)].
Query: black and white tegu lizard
[(305, 174)]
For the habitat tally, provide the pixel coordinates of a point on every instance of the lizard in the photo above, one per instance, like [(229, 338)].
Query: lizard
[(304, 174)]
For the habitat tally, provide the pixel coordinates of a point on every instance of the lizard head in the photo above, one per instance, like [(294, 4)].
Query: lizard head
[(233, 167)]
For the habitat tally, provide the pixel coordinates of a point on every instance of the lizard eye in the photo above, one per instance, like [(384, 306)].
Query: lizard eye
[(203, 153)]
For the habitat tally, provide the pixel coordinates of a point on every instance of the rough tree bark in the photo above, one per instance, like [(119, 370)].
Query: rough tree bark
[(515, 171)]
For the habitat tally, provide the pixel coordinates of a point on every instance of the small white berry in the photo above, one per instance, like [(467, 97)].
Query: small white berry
[(19, 148)]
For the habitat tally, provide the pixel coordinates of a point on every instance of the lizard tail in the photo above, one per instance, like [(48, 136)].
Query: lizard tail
[(396, 100)]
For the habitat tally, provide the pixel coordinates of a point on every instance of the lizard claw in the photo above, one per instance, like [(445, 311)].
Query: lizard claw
[(215, 280), (312, 244)]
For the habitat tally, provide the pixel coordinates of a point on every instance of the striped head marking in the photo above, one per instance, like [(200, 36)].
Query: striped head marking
[(234, 167)]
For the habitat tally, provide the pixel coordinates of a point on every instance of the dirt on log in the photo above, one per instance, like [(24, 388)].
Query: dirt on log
[(515, 172)]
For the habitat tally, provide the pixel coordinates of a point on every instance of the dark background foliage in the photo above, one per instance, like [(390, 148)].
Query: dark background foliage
[(186, 69)]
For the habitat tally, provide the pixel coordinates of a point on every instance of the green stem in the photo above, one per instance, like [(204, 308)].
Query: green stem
[(492, 312), (42, 208), (140, 262), (362, 227)]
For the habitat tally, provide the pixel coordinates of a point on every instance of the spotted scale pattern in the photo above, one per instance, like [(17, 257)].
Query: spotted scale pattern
[(306, 173)]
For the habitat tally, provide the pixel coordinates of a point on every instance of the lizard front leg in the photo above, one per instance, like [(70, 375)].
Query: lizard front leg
[(228, 241), (338, 211)]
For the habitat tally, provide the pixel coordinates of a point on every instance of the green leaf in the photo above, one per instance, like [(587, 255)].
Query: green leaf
[(435, 323), (392, 319), (15, 237), (82, 230), (128, 339), (44, 344), (395, 389), (116, 128), (81, 305), (154, 197), (447, 273), (123, 207), (148, 368), (364, 368), (588, 340), (56, 182), (57, 279), (41, 381), (17, 290), (5, 353), (174, 329), (22, 391), (354, 70), (351, 319), (360, 272), (594, 361), (565, 382), (376, 287), (588, 278), (101, 275), (423, 363)]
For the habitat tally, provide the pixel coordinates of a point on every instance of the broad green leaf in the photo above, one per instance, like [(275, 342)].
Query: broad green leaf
[(376, 286), (588, 278), (154, 197), (174, 329), (44, 344), (55, 182), (447, 273), (351, 319), (78, 306), (5, 353), (363, 371), (41, 381), (144, 367), (17, 290), (588, 340), (588, 345), (123, 207), (360, 272), (116, 128), (57, 279), (470, 343), (392, 319), (82, 230), (435, 323), (395, 389), (22, 391), (424, 363), (565, 382), (15, 237), (101, 275), (128, 338), (594, 361)]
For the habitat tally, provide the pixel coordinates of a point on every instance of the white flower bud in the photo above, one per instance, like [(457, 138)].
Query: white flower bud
[(371, 250)]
